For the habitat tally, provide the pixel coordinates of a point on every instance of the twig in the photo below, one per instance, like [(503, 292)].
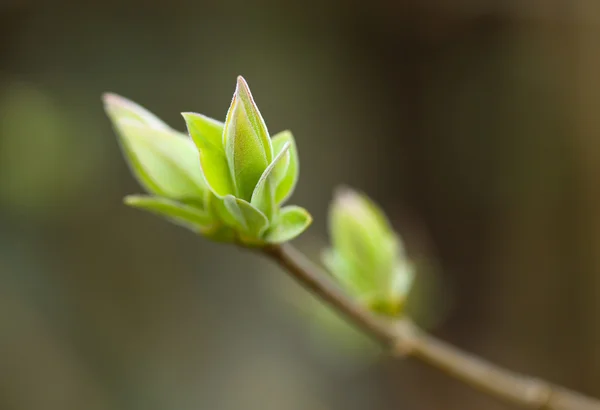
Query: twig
[(404, 338)]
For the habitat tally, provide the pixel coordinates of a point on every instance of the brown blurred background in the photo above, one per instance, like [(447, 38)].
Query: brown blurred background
[(475, 123)]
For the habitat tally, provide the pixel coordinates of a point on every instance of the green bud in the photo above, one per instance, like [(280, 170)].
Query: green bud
[(227, 182), (246, 141), (367, 256), (250, 174)]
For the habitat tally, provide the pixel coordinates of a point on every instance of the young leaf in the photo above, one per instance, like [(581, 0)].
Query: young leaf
[(119, 108), (263, 196), (287, 176), (292, 221), (221, 211), (207, 135), (164, 161), (178, 213), (250, 220)]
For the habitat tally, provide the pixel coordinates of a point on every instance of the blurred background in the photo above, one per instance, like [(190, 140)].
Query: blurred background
[(474, 123)]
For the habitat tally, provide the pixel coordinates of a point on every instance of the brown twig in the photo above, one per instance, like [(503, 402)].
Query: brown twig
[(404, 338)]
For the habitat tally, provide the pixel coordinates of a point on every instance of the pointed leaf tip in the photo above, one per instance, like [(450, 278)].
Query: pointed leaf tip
[(242, 83), (204, 130), (343, 193), (111, 99), (119, 108), (240, 79), (108, 97)]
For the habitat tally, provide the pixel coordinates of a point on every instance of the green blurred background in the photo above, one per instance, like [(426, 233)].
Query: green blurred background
[(475, 123)]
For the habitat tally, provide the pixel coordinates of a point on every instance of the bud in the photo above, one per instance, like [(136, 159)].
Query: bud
[(246, 141), (367, 256), (250, 174)]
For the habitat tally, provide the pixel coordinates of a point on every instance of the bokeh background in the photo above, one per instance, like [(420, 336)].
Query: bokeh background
[(475, 123)]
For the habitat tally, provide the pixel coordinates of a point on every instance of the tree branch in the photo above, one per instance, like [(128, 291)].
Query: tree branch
[(404, 338)]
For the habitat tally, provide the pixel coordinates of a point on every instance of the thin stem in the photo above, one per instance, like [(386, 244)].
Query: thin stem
[(404, 338)]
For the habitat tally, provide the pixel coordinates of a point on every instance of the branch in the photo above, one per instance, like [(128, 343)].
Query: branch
[(404, 338)]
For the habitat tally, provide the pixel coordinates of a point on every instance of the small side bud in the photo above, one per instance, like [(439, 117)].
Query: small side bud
[(366, 254)]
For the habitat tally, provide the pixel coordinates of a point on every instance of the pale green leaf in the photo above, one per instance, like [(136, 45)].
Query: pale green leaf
[(120, 108), (251, 221), (205, 131), (224, 214), (184, 215), (207, 134), (164, 161), (292, 221), (287, 173), (263, 196)]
